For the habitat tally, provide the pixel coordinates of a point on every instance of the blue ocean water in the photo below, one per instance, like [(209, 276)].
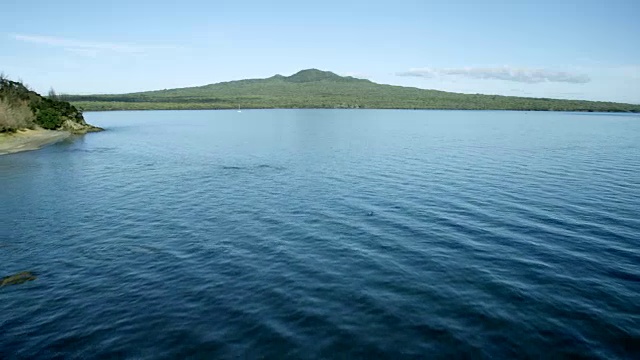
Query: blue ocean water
[(326, 234)]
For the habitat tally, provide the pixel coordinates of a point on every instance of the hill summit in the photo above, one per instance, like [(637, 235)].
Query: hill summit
[(311, 75)]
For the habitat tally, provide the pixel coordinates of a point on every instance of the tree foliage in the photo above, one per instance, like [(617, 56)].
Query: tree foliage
[(21, 108)]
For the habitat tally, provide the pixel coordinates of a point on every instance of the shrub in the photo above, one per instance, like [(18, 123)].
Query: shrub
[(49, 118), (15, 116)]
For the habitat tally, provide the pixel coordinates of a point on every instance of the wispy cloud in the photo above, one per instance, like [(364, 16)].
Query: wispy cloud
[(85, 48), (524, 75)]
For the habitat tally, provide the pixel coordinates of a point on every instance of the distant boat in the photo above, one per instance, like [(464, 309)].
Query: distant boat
[(239, 109)]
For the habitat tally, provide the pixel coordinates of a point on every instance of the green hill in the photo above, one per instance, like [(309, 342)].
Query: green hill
[(22, 108), (322, 89)]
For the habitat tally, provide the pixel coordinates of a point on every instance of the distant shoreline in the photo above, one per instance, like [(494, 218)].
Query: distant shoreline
[(89, 110), (317, 89), (28, 140)]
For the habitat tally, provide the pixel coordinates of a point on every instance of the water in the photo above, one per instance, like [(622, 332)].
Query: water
[(326, 234)]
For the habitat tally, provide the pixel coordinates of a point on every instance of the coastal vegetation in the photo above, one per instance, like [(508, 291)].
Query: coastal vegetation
[(322, 89), (22, 108)]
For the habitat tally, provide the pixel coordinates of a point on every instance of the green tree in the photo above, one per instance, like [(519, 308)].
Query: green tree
[(48, 118)]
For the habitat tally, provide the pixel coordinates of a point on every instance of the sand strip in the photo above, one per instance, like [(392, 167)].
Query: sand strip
[(25, 140)]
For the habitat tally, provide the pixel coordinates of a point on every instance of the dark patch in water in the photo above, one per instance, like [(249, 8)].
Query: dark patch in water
[(275, 167), (17, 279), (98, 150), (253, 167), (146, 249)]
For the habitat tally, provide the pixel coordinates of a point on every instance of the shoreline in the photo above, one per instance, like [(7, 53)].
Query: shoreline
[(362, 108), (28, 140)]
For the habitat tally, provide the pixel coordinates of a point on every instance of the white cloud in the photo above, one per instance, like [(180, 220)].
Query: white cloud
[(87, 48), (524, 75)]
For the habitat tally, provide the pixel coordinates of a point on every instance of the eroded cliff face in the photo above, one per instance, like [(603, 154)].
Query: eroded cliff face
[(79, 127)]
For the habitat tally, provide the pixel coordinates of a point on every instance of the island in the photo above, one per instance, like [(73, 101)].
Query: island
[(314, 88), (29, 120)]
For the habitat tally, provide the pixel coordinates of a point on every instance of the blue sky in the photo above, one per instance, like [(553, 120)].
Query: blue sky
[(565, 49)]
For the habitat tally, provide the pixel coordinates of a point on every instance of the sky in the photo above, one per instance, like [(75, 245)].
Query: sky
[(557, 49)]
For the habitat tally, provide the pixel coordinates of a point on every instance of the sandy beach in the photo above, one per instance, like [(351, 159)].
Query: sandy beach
[(26, 140)]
